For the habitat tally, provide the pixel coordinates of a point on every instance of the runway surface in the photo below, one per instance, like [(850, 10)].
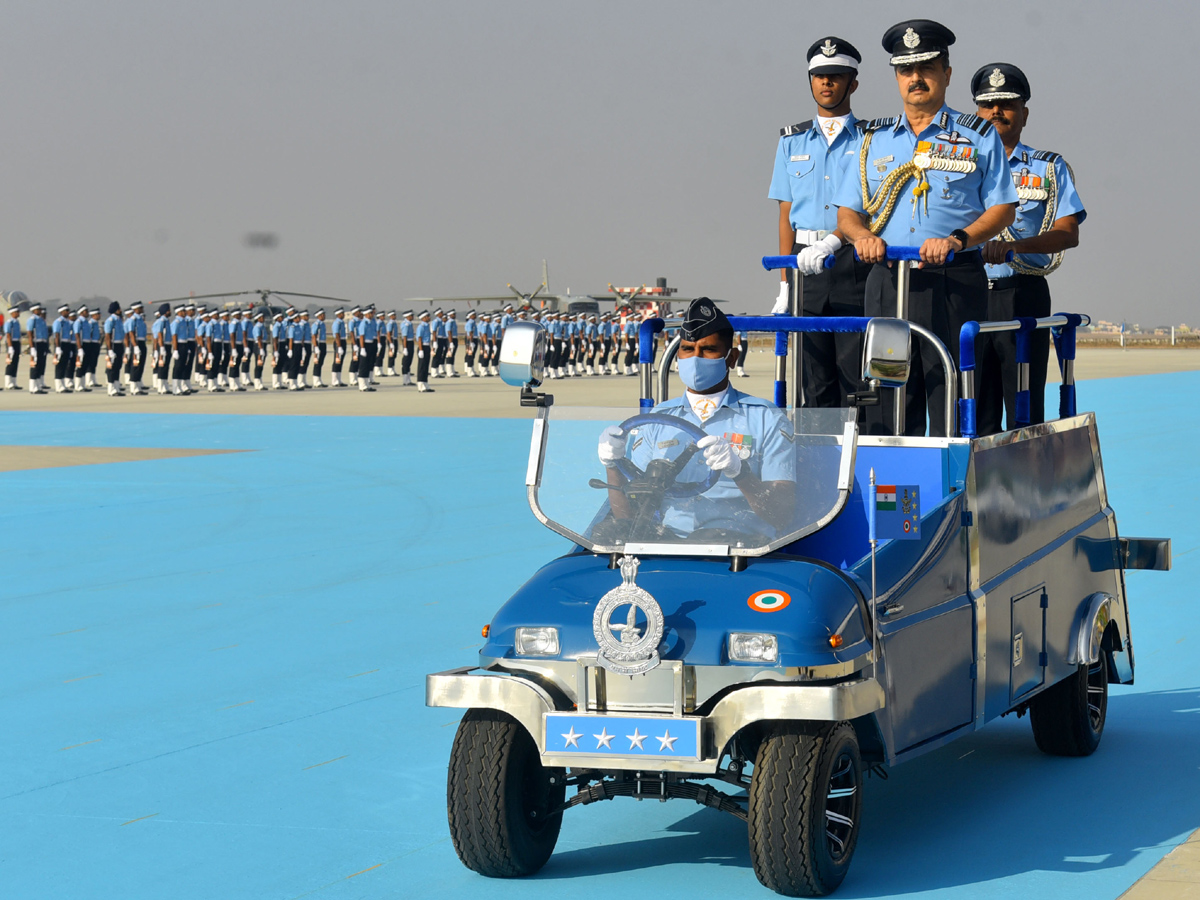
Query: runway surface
[(213, 676)]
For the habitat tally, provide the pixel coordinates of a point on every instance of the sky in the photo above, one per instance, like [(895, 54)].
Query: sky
[(403, 149)]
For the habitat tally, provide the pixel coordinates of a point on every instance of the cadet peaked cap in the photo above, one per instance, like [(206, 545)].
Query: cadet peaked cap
[(164, 308), (917, 40), (424, 313), (999, 81), (319, 312), (260, 314), (136, 304), (407, 312), (114, 307), (96, 311), (64, 308), (832, 56), (339, 311), (82, 309), (702, 319)]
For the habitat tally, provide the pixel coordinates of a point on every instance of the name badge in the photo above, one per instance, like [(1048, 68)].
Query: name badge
[(882, 160), (801, 158), (663, 445)]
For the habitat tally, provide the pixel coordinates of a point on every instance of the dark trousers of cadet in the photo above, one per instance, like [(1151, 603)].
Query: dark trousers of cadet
[(339, 355), (179, 370), (366, 360), (38, 369), (743, 349), (468, 357), (187, 353), (996, 368), (139, 362), (439, 355), (294, 361), (112, 374), (322, 349), (279, 360), (162, 362), (941, 299), (423, 360), (393, 350), (305, 358), (62, 365), (93, 357), (406, 360), (259, 352), (451, 352), (11, 363), (631, 354), (833, 362), (235, 360), (128, 363)]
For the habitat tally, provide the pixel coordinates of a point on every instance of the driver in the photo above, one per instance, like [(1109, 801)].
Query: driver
[(748, 441)]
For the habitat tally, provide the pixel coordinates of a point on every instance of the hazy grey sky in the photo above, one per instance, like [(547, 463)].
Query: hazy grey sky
[(408, 149)]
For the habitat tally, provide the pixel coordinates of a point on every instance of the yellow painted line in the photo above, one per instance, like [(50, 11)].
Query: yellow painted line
[(356, 874), (73, 631), (83, 678), (327, 762), (236, 705), (84, 744), (230, 647), (131, 821), (372, 671)]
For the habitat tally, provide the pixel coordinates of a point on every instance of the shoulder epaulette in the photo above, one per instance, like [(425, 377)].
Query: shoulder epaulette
[(861, 125), (876, 124), (1047, 156), (982, 126), (795, 129)]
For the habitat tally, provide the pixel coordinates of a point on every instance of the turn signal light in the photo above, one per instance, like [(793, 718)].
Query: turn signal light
[(486, 629), (835, 641)]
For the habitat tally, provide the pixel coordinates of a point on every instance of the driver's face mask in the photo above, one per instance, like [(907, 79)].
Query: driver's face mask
[(700, 374)]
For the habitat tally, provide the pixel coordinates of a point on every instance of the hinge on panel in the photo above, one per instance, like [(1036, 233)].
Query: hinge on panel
[(1043, 661), (1045, 601), (968, 518)]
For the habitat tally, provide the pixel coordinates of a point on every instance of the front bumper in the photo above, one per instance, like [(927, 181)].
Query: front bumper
[(473, 688)]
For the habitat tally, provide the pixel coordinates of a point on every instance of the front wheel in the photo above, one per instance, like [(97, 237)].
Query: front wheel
[(805, 805), (1068, 718), (500, 800)]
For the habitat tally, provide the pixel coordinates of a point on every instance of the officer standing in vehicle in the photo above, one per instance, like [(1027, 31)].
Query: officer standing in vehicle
[(812, 161), (12, 349), (424, 352), (1049, 214), (952, 171)]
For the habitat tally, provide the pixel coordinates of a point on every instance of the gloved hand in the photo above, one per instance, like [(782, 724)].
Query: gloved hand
[(420, 354), (112, 356), (137, 355), (32, 355), (811, 259), (289, 354), (57, 353), (275, 356), (781, 302), (719, 455), (174, 354), (612, 445)]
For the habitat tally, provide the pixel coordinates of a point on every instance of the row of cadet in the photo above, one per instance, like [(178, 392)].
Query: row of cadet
[(223, 349)]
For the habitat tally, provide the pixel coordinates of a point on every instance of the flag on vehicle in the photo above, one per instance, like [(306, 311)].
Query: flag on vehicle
[(885, 497)]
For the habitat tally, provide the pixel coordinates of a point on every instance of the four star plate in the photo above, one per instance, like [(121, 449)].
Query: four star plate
[(651, 737)]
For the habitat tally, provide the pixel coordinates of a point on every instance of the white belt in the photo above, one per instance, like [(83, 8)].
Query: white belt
[(808, 238)]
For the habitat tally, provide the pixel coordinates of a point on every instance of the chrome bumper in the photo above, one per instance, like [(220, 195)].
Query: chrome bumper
[(472, 688)]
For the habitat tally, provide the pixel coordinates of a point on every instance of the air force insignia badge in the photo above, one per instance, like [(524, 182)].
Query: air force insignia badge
[(911, 39), (635, 653), (829, 48), (996, 79)]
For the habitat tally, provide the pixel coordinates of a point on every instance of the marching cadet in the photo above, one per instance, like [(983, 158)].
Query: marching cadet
[(471, 335), (12, 349), (631, 343), (93, 338), (493, 343), (248, 353), (80, 331), (368, 346), (319, 347), (452, 342), (204, 350), (278, 350), (39, 347), (199, 368), (392, 333), (438, 337), (339, 346), (260, 337), (1049, 213), (115, 342), (355, 326), (294, 338), (179, 338), (955, 173), (305, 348), (553, 344), (813, 159), (424, 352), (482, 349), (137, 345), (61, 339), (160, 332), (237, 344), (407, 336), (191, 326)]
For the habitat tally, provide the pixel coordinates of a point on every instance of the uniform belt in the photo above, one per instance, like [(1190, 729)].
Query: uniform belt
[(808, 238), (1010, 281)]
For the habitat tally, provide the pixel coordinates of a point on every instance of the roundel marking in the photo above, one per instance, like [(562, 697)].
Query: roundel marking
[(907, 526), (768, 601)]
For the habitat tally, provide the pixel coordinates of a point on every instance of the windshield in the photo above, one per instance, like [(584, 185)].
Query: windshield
[(746, 480)]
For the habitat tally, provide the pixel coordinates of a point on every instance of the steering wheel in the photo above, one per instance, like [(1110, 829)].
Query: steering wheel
[(660, 474)]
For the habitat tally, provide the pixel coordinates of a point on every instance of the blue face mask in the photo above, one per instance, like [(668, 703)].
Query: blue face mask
[(700, 374)]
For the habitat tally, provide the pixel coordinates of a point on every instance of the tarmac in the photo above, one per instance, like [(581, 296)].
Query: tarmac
[(219, 612)]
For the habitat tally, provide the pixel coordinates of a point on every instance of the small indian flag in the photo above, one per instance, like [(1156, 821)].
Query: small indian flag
[(885, 497)]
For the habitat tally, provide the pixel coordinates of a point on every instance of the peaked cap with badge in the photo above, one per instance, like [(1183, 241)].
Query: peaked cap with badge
[(832, 56), (701, 319), (917, 40), (999, 81)]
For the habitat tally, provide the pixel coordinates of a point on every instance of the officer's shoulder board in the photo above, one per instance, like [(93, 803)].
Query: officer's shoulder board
[(1047, 156), (798, 128), (976, 124), (876, 124)]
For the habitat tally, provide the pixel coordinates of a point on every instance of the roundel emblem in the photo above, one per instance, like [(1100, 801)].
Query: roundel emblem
[(768, 601)]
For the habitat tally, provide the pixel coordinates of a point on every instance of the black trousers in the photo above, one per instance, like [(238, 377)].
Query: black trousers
[(62, 365), (451, 352), (113, 372), (469, 356), (10, 365), (188, 355), (322, 349), (259, 352), (279, 359), (162, 362), (439, 355), (179, 370), (38, 369), (393, 350), (743, 349), (406, 360), (295, 360), (996, 355), (631, 354), (248, 351), (833, 362), (941, 299), (339, 355), (366, 359), (139, 362), (423, 360)]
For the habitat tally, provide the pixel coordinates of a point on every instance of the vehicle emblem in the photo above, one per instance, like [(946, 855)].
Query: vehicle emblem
[(635, 653), (996, 79), (829, 48), (768, 601), (911, 39)]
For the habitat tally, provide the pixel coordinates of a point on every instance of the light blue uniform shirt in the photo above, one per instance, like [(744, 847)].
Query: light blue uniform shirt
[(631, 328), (136, 326), (471, 327), (809, 170), (277, 331), (62, 327), (115, 327), (407, 330), (505, 321), (339, 327), (439, 328), (12, 327), (1027, 164), (452, 328), (161, 328), (258, 332), (423, 332), (81, 328), (306, 331), (955, 199), (318, 328), (369, 329), (36, 326)]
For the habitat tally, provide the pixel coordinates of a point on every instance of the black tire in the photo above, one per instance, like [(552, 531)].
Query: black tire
[(1068, 718), (498, 795), (805, 804)]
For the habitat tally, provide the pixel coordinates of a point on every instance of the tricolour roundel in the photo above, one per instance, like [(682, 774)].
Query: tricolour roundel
[(768, 601)]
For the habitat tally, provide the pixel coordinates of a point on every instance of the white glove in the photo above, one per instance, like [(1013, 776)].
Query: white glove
[(289, 354), (57, 353), (811, 260), (420, 354), (32, 355), (10, 354), (781, 302), (612, 445), (112, 355), (275, 356), (137, 355), (174, 354), (719, 455)]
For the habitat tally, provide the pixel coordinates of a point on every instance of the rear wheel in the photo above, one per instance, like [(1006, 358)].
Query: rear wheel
[(1068, 718), (499, 797), (805, 805)]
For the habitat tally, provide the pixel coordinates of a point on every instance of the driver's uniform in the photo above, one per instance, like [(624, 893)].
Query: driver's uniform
[(763, 436)]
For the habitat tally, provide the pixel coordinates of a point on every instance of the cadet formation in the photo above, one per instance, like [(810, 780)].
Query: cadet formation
[(991, 213)]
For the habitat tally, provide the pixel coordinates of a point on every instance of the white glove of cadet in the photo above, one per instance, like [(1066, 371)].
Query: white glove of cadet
[(174, 354), (811, 260), (289, 354), (420, 354), (57, 353), (781, 302), (612, 445), (720, 456)]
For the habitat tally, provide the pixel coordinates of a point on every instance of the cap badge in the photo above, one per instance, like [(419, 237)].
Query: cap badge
[(705, 311), (911, 39), (996, 79), (829, 48)]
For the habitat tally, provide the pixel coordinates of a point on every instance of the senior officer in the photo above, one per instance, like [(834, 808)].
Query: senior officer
[(1049, 214), (814, 158), (748, 441), (952, 171)]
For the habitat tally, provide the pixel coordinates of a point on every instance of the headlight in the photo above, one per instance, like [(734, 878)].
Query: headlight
[(750, 647), (540, 641)]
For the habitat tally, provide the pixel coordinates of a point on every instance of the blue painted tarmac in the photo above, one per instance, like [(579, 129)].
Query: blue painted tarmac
[(212, 679)]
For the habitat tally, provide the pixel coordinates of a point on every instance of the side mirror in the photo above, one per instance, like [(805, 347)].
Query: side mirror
[(887, 357), (523, 354)]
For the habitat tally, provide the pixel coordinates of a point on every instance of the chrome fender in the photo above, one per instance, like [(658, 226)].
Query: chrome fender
[(460, 689), (1089, 636)]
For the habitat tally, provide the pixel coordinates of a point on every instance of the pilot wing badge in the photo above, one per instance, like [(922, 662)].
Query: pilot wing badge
[(628, 647)]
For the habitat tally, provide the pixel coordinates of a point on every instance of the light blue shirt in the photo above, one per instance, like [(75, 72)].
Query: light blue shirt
[(62, 327), (439, 328), (369, 329), (36, 326), (93, 331), (505, 321), (258, 331), (423, 332), (115, 327), (452, 328), (471, 327), (339, 327), (136, 326), (955, 199), (407, 330), (81, 328), (809, 170), (318, 329), (12, 328), (161, 328), (1028, 164)]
